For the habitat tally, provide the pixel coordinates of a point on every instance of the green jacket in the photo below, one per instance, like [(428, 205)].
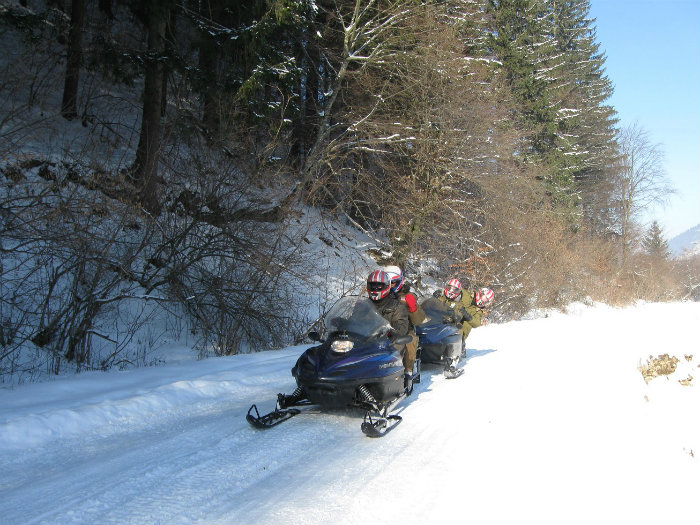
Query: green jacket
[(464, 304)]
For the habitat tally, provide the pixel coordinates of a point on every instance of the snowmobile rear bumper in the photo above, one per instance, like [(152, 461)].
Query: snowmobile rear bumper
[(439, 352)]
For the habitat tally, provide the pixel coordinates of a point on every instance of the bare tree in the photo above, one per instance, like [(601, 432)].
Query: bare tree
[(641, 182), (365, 34)]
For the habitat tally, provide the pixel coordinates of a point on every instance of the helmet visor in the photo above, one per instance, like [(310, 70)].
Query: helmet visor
[(376, 286)]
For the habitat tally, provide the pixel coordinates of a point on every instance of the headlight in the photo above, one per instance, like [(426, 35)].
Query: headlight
[(341, 346)]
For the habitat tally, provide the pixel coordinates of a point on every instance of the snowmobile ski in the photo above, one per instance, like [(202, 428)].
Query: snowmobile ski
[(275, 417), (380, 426)]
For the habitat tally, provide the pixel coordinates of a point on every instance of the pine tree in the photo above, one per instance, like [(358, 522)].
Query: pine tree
[(551, 63), (654, 244), (516, 37), (586, 125)]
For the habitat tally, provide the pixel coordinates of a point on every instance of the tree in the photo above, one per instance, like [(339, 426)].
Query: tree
[(518, 40), (550, 62), (654, 244), (145, 168), (73, 60), (585, 124), (363, 41), (640, 184)]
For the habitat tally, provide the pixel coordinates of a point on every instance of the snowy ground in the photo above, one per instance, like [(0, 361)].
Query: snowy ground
[(551, 423)]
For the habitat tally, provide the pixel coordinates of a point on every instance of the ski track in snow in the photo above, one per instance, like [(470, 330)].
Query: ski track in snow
[(547, 425)]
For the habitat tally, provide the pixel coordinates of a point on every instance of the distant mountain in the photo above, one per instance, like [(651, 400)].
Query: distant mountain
[(687, 241)]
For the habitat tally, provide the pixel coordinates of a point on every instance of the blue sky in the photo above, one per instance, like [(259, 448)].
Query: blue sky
[(652, 50)]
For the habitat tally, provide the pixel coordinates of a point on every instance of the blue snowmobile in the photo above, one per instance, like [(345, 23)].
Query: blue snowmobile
[(357, 365), (439, 340)]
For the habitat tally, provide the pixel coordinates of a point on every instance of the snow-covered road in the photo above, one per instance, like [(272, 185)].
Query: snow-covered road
[(551, 423)]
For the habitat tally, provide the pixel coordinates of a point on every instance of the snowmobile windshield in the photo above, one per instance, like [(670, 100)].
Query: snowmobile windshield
[(356, 318), (435, 310)]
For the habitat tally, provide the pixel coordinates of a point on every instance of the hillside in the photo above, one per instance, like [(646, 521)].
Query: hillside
[(552, 423), (686, 243), (205, 187)]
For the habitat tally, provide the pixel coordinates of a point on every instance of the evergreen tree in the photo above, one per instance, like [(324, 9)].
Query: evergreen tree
[(654, 243), (523, 41), (551, 63), (515, 40), (585, 127)]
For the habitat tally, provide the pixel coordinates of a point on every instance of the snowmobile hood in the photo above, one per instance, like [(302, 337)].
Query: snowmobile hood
[(354, 320), (369, 362)]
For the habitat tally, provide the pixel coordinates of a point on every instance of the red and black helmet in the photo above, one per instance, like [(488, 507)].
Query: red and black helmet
[(378, 285), (483, 297)]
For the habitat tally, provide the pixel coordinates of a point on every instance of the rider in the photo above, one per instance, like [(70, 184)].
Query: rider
[(392, 309), (469, 309), (416, 315)]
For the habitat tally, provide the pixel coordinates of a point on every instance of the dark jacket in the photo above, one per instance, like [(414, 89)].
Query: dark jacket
[(396, 312)]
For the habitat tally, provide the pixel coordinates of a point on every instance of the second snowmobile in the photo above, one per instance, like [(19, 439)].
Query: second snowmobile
[(439, 339), (356, 365)]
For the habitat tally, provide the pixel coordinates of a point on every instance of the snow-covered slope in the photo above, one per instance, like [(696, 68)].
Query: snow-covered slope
[(687, 243), (552, 422)]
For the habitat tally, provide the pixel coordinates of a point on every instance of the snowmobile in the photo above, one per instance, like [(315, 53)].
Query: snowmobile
[(357, 365), (439, 340)]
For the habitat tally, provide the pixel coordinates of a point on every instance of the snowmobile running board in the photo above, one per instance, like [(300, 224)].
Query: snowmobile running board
[(275, 417)]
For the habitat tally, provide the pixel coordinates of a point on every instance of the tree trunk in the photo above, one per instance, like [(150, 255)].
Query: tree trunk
[(69, 108), (209, 55), (210, 99), (147, 153)]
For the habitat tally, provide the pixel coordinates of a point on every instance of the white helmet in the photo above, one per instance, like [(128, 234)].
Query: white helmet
[(396, 276)]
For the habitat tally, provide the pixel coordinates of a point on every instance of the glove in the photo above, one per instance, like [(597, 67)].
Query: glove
[(437, 293), (466, 317), (448, 319), (410, 301)]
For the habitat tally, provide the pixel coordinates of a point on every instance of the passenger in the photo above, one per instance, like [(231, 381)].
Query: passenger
[(392, 309), (470, 310), (416, 316)]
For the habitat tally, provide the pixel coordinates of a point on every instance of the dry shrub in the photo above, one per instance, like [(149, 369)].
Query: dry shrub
[(687, 272), (652, 279), (662, 365)]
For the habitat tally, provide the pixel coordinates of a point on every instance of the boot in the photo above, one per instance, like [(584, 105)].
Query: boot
[(451, 370), (408, 382)]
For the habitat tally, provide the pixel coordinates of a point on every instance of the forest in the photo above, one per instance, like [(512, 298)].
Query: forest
[(166, 152)]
